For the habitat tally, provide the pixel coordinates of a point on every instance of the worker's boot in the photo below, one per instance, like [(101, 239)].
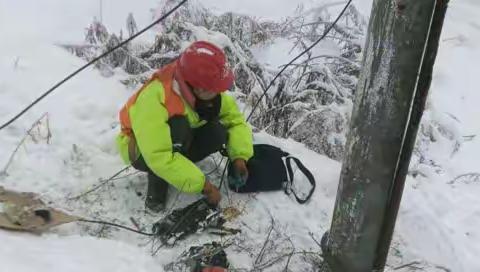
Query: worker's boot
[(157, 190)]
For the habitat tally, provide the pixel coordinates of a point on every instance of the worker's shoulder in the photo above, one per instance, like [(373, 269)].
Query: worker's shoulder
[(228, 98), (153, 89), (154, 84)]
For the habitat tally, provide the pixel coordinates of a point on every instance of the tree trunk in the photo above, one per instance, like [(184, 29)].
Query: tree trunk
[(400, 52)]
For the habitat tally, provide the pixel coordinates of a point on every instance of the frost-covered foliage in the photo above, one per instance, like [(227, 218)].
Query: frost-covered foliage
[(311, 102)]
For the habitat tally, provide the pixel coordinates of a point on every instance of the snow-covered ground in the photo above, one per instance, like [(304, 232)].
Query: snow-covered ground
[(438, 223)]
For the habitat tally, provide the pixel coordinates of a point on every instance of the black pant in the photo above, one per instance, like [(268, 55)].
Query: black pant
[(195, 144)]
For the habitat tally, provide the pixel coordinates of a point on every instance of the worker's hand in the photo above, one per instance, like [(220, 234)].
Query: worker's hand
[(241, 169), (211, 193)]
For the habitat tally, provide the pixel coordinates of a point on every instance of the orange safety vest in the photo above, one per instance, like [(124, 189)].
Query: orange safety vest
[(173, 103)]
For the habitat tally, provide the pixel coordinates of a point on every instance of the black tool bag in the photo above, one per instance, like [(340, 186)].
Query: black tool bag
[(267, 171)]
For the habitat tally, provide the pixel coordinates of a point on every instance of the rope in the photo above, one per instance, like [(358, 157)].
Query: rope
[(89, 64)]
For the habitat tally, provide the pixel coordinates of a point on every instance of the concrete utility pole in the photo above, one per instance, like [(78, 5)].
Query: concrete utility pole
[(400, 52)]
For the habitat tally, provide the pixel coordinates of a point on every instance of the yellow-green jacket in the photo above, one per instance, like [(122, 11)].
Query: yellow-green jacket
[(148, 112)]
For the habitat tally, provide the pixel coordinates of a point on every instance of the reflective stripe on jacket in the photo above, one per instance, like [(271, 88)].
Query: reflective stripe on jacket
[(144, 128)]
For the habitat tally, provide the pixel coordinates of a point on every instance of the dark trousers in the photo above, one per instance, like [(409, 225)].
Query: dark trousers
[(195, 144)]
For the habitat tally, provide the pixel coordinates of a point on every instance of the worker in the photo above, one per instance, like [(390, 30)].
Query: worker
[(179, 117)]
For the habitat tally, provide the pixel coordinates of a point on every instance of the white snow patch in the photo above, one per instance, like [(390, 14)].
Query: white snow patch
[(278, 53)]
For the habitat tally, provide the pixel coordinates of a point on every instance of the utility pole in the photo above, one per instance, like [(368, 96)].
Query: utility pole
[(400, 52)]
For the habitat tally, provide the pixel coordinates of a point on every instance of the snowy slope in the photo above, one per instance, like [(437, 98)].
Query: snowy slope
[(437, 225), (440, 221)]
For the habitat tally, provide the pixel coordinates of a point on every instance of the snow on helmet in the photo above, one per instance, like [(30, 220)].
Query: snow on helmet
[(203, 65)]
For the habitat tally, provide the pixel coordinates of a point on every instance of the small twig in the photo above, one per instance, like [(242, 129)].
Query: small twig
[(49, 132), (325, 56), (135, 223), (279, 258), (288, 262), (289, 257), (315, 240), (216, 167), (102, 183), (169, 210), (474, 176), (262, 251), (412, 264), (34, 125)]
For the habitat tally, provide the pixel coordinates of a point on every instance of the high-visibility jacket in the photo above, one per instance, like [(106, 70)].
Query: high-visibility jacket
[(144, 130)]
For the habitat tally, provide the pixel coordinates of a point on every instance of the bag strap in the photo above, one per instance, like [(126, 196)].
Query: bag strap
[(306, 172)]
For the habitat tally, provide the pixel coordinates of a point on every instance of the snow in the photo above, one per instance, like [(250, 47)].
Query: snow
[(72, 253), (278, 53), (438, 222), (444, 216)]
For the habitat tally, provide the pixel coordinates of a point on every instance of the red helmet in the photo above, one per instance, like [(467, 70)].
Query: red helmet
[(204, 66)]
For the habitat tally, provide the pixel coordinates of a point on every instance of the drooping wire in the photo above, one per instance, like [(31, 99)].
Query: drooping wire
[(297, 57), (89, 64)]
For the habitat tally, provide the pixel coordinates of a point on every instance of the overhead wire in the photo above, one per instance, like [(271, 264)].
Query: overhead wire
[(325, 33), (70, 76), (265, 90)]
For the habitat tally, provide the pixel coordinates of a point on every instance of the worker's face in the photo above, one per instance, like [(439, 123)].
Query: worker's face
[(203, 94)]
